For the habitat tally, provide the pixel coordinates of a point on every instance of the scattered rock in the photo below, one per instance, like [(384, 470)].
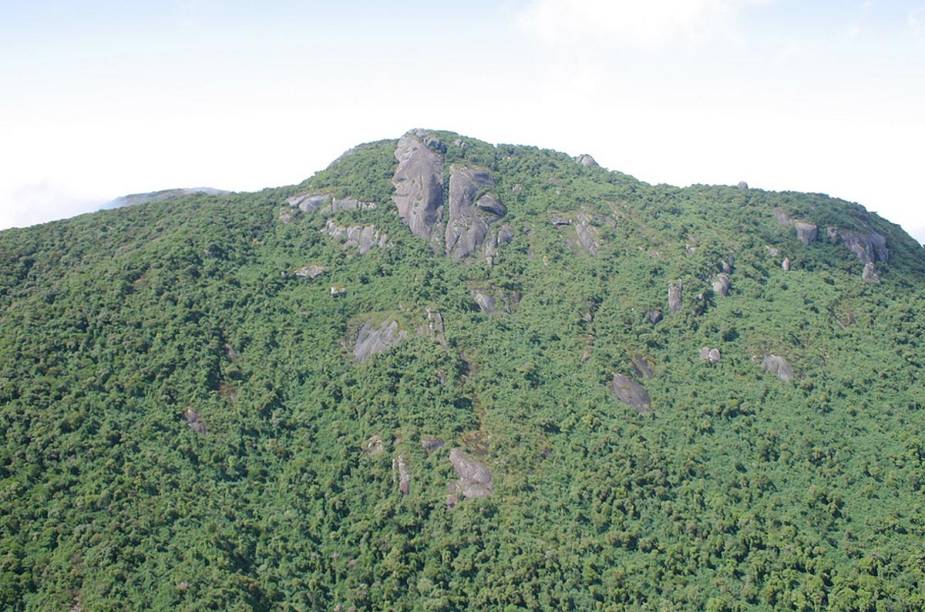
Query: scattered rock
[(311, 271), (587, 234), (721, 285), (485, 302), (472, 208), (230, 353), (773, 251), (404, 474), (194, 421), (727, 264), (517, 188), (435, 325), (338, 291), (374, 446), (675, 297), (363, 237), (642, 366), (654, 316), (373, 339), (431, 444), (587, 161), (286, 216), (785, 264), (806, 232), (742, 186), (710, 355), (631, 393), (475, 478), (346, 204), (560, 221), (778, 366), (418, 182), (870, 273)]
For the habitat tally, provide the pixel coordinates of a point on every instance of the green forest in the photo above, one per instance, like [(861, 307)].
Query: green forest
[(246, 401)]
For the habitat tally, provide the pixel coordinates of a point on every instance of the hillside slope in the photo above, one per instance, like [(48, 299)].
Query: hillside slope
[(442, 374)]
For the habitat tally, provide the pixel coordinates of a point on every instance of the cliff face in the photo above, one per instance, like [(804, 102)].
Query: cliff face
[(447, 374)]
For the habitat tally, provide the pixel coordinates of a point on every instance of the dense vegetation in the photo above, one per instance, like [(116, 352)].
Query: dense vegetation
[(739, 491)]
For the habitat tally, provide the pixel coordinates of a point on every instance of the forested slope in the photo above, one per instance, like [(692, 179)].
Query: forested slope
[(442, 374)]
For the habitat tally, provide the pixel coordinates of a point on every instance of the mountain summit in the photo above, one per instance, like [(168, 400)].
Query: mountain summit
[(444, 374)]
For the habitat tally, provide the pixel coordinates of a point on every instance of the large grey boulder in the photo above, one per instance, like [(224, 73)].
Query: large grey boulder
[(309, 202), (642, 366), (721, 285), (435, 325), (869, 247), (654, 316), (778, 366), (587, 161), (631, 393), (418, 182), (870, 273), (311, 271), (194, 421), (475, 478), (806, 232), (485, 302), (373, 339), (710, 355), (675, 297), (473, 207), (363, 237)]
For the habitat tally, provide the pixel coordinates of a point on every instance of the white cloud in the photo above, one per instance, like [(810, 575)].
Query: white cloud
[(647, 24), (25, 205), (916, 20)]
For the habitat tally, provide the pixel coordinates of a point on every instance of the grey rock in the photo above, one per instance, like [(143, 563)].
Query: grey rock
[(347, 204), (778, 366), (869, 247), (587, 234), (587, 161), (806, 232), (785, 264), (430, 444), (721, 285), (194, 421), (363, 237), (654, 316), (727, 264), (374, 446), (435, 325), (742, 186), (560, 221), (710, 355), (309, 202), (418, 182), (870, 273), (374, 339), (311, 271), (230, 353), (631, 393), (338, 291), (475, 479), (485, 302), (773, 251), (642, 366), (286, 216), (675, 297), (400, 466), (472, 208)]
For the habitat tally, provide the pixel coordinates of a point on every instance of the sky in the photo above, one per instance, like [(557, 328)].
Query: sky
[(103, 98)]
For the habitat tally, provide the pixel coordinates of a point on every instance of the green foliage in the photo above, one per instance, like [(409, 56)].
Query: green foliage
[(739, 492)]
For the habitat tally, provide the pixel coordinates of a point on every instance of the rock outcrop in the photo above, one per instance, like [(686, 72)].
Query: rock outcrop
[(309, 202), (485, 302), (869, 247), (721, 285), (373, 339), (431, 444), (363, 237), (403, 474), (654, 316), (642, 366), (311, 271), (806, 231), (587, 161), (194, 421), (588, 235), (778, 366), (675, 297), (870, 273), (418, 182), (785, 265), (631, 393), (374, 446), (475, 478), (710, 355), (435, 325), (473, 207)]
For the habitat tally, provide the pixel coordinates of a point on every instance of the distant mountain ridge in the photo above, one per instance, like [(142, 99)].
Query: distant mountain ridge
[(135, 199)]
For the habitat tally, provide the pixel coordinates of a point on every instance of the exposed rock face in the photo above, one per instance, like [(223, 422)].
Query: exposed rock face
[(710, 355), (194, 421), (431, 444), (869, 247), (721, 285), (485, 302), (418, 183), (286, 216), (400, 466), (642, 366), (587, 161), (785, 264), (727, 264), (473, 207), (870, 273), (311, 271), (363, 237), (374, 446), (742, 186), (560, 221), (675, 297), (344, 204), (374, 339), (587, 234), (806, 232), (474, 477), (309, 202), (654, 316), (338, 291), (778, 366), (435, 325), (631, 393)]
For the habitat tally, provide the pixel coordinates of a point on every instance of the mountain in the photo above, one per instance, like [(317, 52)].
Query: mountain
[(135, 199), (442, 374)]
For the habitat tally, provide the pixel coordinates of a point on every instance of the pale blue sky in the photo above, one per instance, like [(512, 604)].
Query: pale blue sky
[(99, 99)]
